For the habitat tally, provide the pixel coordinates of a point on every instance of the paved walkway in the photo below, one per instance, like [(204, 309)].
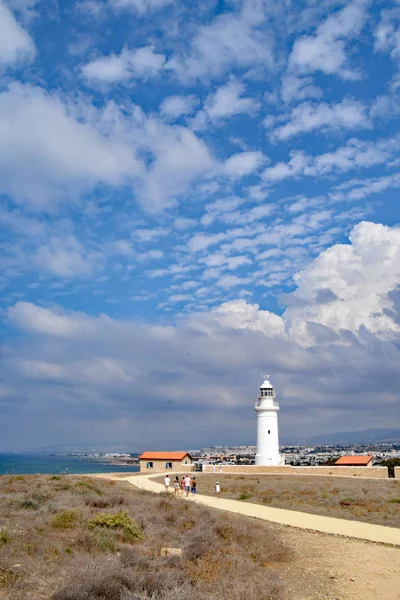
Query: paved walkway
[(353, 529)]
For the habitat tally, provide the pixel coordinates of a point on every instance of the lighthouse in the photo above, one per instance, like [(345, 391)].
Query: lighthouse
[(267, 408)]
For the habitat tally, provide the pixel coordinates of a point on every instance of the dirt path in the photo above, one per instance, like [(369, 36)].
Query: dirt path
[(354, 529), (325, 566)]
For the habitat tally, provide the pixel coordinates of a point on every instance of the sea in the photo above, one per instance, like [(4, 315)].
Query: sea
[(24, 464)]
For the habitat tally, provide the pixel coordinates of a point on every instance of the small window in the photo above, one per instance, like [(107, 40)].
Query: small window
[(168, 465), (269, 431), (149, 465)]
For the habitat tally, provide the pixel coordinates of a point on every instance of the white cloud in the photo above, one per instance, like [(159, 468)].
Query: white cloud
[(182, 223), (357, 189), (296, 88), (123, 247), (348, 114), (175, 106), (202, 241), (46, 152), (228, 101), (354, 155), (348, 286), (129, 64), (335, 347), (66, 257), (229, 281), (179, 158), (141, 6), (387, 37), (16, 45), (243, 164), (47, 321), (230, 40), (326, 51)]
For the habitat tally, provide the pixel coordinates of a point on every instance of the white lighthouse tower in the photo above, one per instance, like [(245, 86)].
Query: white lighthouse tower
[(267, 408)]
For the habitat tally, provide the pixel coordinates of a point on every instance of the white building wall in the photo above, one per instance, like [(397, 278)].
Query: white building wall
[(267, 409), (267, 438)]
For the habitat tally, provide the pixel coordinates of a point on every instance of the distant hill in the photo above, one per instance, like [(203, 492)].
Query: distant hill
[(368, 436)]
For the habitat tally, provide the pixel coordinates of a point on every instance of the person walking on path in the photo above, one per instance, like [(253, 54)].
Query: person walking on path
[(177, 486), (188, 482), (218, 489), (182, 490), (213, 468), (167, 481), (194, 485)]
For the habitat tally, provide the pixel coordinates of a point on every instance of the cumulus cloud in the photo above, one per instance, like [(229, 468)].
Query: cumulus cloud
[(228, 100), (66, 257), (234, 39), (355, 154), (331, 351), (175, 106), (243, 163), (129, 64), (64, 149), (326, 50), (141, 6), (307, 117), (16, 45), (55, 152)]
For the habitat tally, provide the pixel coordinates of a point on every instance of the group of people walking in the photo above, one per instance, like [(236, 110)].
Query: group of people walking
[(185, 485)]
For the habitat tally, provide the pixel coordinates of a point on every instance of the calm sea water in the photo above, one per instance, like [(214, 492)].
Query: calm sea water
[(29, 463)]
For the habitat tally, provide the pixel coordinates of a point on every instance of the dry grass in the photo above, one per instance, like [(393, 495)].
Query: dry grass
[(369, 500), (74, 538)]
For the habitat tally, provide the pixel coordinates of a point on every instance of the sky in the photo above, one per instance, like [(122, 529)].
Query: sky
[(193, 195)]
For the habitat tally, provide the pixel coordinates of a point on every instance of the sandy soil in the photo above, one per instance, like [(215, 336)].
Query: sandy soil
[(327, 567)]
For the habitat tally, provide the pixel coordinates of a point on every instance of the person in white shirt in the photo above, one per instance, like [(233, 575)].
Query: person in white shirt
[(188, 481), (217, 489), (167, 481)]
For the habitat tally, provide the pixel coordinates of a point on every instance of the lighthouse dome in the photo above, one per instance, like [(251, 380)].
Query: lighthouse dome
[(266, 385)]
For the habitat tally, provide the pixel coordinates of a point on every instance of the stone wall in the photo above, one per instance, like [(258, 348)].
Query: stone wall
[(375, 472), (397, 472)]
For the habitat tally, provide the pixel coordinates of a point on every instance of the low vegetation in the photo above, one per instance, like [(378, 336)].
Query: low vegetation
[(370, 500), (71, 538)]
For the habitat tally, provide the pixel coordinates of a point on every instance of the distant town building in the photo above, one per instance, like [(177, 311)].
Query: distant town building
[(354, 461), (165, 461), (267, 408)]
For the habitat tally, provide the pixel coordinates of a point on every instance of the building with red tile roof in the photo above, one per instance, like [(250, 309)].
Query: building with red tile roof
[(165, 461), (355, 461)]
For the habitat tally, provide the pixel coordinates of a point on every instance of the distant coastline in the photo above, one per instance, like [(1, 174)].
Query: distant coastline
[(25, 464)]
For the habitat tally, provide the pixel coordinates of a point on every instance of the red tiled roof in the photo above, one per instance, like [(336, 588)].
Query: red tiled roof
[(164, 455), (349, 461)]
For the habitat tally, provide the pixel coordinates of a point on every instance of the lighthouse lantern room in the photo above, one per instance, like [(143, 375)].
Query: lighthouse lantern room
[(267, 408)]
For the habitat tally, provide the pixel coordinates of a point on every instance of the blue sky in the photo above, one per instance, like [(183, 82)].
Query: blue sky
[(193, 194)]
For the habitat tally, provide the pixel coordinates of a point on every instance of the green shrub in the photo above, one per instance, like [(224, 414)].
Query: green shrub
[(244, 496), (64, 519), (348, 502), (30, 504), (128, 527), (4, 536), (104, 540), (88, 486), (394, 501), (55, 477)]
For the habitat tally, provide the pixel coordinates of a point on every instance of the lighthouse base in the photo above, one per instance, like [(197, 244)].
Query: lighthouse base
[(270, 461)]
